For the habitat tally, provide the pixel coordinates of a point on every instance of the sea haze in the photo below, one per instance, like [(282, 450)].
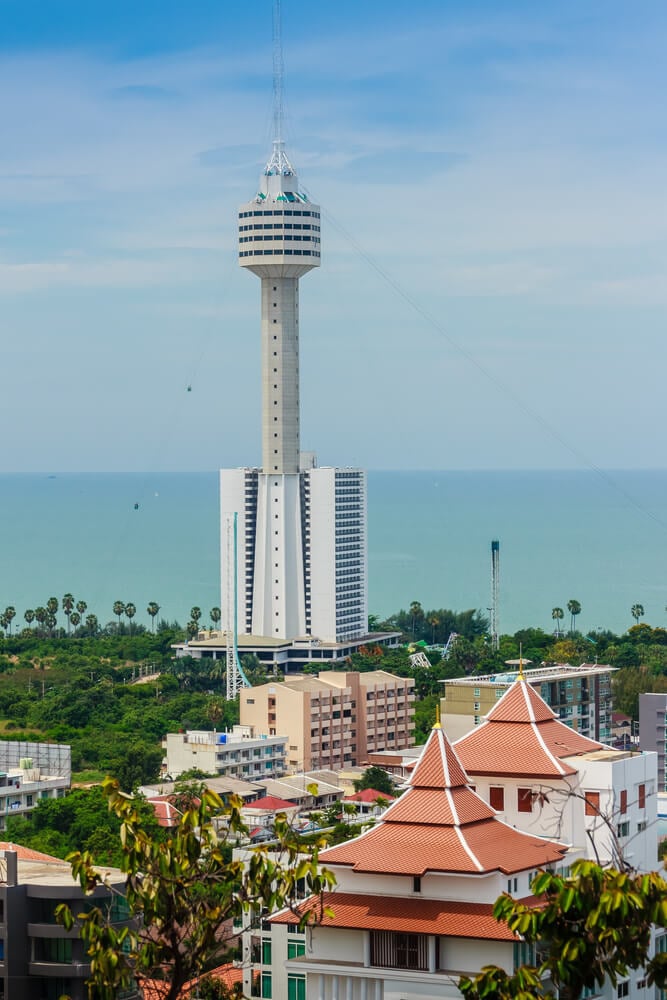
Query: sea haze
[(599, 539)]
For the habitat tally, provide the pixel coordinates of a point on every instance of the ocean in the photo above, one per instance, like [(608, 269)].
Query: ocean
[(601, 539)]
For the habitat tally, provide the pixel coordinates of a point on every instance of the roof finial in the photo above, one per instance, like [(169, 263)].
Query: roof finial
[(521, 661), (436, 724)]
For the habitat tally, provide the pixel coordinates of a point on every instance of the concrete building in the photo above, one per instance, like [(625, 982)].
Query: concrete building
[(236, 754), (39, 959), (30, 772), (580, 697), (301, 530), (653, 730), (334, 719), (411, 912)]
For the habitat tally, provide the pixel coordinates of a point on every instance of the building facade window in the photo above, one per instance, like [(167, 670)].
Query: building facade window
[(296, 988), (641, 796), (624, 801), (497, 797), (524, 800), (391, 950), (592, 800)]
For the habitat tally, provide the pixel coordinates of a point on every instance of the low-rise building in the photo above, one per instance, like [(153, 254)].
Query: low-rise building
[(653, 730), (244, 752), (39, 959), (334, 719), (580, 697), (30, 772)]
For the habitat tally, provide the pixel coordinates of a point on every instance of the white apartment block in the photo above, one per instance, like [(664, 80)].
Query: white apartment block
[(236, 754)]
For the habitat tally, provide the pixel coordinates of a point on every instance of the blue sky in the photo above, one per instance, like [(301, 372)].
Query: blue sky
[(492, 290)]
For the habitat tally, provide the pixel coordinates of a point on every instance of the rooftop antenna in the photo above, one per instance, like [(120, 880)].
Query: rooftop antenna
[(495, 587), (279, 163)]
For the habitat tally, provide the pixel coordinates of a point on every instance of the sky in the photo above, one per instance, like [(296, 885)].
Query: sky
[(492, 180)]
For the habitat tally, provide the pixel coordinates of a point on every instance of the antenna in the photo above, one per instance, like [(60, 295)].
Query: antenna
[(279, 163), (495, 586), (278, 73)]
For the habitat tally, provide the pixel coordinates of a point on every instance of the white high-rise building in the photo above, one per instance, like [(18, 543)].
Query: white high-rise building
[(301, 530)]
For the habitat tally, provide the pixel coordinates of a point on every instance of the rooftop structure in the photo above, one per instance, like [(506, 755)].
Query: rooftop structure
[(23, 780), (653, 730), (580, 697)]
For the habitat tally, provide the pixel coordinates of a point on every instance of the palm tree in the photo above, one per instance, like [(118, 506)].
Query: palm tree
[(216, 615), (192, 628), (557, 615), (92, 624), (433, 621), (51, 623), (574, 607), (195, 614), (637, 612), (152, 610), (3, 621), (130, 612), (40, 615), (67, 606), (416, 611), (81, 607), (29, 616), (10, 614), (75, 619), (118, 609)]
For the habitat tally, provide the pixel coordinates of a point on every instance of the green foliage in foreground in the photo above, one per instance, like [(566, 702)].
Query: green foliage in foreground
[(595, 925), (182, 894)]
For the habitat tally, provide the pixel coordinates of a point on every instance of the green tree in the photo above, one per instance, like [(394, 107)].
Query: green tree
[(195, 614), (215, 615), (557, 615), (81, 607), (74, 619), (192, 628), (40, 615), (377, 779), (183, 894), (416, 613), (593, 926), (153, 609), (68, 607), (92, 624), (29, 616), (119, 611), (10, 615), (130, 612), (574, 607), (637, 612), (137, 763)]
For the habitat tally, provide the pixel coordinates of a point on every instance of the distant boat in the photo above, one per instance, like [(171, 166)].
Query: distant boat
[(136, 506)]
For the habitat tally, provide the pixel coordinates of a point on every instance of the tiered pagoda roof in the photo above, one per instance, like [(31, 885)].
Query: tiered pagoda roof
[(521, 737), (441, 825)]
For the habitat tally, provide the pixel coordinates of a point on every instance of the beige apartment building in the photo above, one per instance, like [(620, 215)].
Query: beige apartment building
[(335, 719)]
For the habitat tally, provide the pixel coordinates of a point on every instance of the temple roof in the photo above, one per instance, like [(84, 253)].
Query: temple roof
[(522, 737), (365, 911), (440, 824)]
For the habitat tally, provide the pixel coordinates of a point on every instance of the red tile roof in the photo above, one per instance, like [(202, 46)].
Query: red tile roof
[(521, 737), (441, 825), (156, 989), (397, 913), (369, 795), (166, 812), (270, 803), (27, 853)]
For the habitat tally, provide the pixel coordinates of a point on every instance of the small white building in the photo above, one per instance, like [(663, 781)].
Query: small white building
[(236, 754), (26, 779)]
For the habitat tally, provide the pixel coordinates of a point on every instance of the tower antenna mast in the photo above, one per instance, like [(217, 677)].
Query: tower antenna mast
[(495, 592), (279, 163)]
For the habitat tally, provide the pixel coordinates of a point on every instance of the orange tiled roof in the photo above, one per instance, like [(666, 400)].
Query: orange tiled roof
[(156, 989), (440, 824), (413, 916), (27, 853), (269, 803), (369, 795), (521, 737)]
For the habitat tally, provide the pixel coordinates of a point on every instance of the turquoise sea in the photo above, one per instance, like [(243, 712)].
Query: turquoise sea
[(599, 539)]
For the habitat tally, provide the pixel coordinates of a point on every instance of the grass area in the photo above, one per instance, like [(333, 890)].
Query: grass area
[(80, 778)]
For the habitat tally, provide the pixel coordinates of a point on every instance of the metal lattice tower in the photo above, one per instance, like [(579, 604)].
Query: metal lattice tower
[(495, 586), (236, 678)]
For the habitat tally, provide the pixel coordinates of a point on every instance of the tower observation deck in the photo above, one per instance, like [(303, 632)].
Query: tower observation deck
[(279, 240)]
